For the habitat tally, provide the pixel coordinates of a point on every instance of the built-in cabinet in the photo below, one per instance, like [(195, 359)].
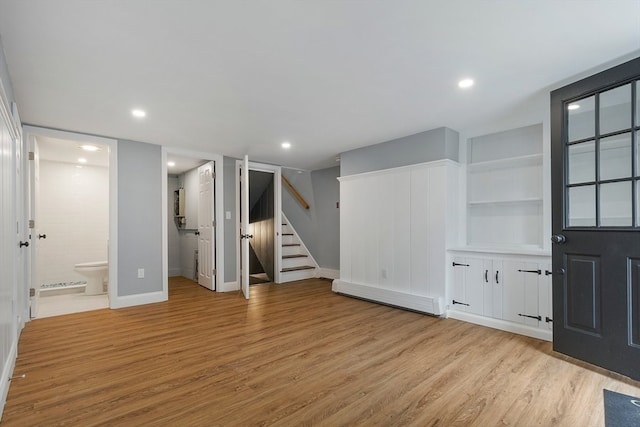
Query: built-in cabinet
[(502, 276), (508, 292)]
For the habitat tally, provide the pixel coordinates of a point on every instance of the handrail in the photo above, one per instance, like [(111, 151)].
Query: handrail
[(295, 193)]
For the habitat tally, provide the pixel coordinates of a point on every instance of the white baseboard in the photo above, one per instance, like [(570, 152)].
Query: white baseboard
[(425, 304), (503, 325), (229, 287), (139, 299), (7, 372), (328, 273)]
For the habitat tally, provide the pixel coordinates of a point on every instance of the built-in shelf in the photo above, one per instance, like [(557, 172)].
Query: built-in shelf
[(507, 163), (533, 200)]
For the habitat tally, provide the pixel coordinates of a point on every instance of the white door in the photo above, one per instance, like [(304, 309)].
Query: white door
[(244, 227), (206, 230), (36, 236)]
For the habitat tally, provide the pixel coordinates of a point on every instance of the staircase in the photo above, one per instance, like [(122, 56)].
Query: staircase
[(297, 262)]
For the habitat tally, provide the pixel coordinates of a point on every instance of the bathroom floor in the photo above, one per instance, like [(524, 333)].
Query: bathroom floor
[(56, 305)]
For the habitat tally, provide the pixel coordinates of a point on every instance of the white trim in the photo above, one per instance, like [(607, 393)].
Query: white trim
[(137, 299), (432, 164), (328, 273), (230, 286), (503, 325), (420, 303), (219, 211), (490, 252), (29, 131), (7, 372), (277, 220)]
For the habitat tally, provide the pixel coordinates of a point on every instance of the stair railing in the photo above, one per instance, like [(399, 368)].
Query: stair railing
[(295, 193)]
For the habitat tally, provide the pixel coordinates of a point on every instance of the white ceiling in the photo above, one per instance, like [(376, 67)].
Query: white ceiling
[(239, 77)]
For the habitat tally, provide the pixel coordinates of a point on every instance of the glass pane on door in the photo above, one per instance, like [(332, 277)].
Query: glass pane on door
[(615, 156), (615, 109), (582, 206), (582, 162), (582, 119), (615, 204)]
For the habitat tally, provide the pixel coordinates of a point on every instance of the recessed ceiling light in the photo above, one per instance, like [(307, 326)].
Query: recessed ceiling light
[(171, 164), (286, 144), (82, 160), (88, 147), (138, 113), (573, 106), (465, 83)]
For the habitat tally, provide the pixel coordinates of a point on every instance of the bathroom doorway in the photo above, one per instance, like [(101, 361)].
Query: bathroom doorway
[(193, 212), (70, 213)]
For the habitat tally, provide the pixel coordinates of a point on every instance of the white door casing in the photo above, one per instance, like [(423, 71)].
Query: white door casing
[(244, 227), (34, 190), (206, 229)]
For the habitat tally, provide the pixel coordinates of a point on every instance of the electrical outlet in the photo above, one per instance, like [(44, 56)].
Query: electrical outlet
[(141, 273), (227, 214)]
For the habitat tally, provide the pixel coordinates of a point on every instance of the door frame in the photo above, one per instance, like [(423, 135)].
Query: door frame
[(29, 133), (218, 215), (277, 217)]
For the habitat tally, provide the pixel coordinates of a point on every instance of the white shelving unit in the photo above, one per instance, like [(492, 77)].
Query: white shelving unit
[(500, 278), (504, 189)]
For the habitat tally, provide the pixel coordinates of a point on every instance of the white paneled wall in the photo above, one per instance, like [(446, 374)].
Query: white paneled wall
[(73, 211), (395, 228)]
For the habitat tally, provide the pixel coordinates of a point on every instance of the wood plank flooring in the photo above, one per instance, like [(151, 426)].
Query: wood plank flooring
[(296, 354)]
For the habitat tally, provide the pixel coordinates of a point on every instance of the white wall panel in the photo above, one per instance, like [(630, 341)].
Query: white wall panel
[(394, 232)]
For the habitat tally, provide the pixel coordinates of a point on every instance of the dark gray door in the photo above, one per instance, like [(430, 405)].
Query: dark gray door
[(595, 162)]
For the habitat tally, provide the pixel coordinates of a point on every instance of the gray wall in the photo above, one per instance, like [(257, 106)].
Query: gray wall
[(326, 189), (435, 144), (173, 235), (229, 170), (139, 217), (4, 75)]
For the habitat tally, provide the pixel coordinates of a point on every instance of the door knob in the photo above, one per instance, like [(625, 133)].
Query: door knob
[(24, 244), (558, 239)]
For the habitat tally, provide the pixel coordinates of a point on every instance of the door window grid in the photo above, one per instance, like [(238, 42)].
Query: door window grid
[(579, 141)]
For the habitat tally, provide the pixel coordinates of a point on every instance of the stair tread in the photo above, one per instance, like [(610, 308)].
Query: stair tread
[(287, 234), (294, 256), (304, 267), (291, 244)]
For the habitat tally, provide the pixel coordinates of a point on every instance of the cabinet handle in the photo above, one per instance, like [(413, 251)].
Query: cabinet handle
[(456, 264), (538, 318), (548, 319), (458, 302), (531, 271), (547, 273), (486, 276), (497, 272)]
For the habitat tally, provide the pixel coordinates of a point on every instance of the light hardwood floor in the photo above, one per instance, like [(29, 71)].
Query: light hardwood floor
[(296, 354)]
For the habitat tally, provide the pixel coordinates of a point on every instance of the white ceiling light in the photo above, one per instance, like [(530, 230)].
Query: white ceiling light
[(138, 113), (82, 160), (465, 83), (171, 164), (88, 147), (286, 145), (573, 106)]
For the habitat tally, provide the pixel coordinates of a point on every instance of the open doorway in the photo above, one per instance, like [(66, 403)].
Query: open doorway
[(193, 210), (72, 231), (262, 210)]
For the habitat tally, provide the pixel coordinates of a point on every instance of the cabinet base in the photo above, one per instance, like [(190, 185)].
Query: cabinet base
[(542, 334)]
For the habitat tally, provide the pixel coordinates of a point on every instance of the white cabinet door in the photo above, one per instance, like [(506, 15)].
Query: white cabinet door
[(468, 291), (521, 292), (492, 281), (545, 298)]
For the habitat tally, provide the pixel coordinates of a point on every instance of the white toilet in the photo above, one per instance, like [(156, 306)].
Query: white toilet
[(96, 273)]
